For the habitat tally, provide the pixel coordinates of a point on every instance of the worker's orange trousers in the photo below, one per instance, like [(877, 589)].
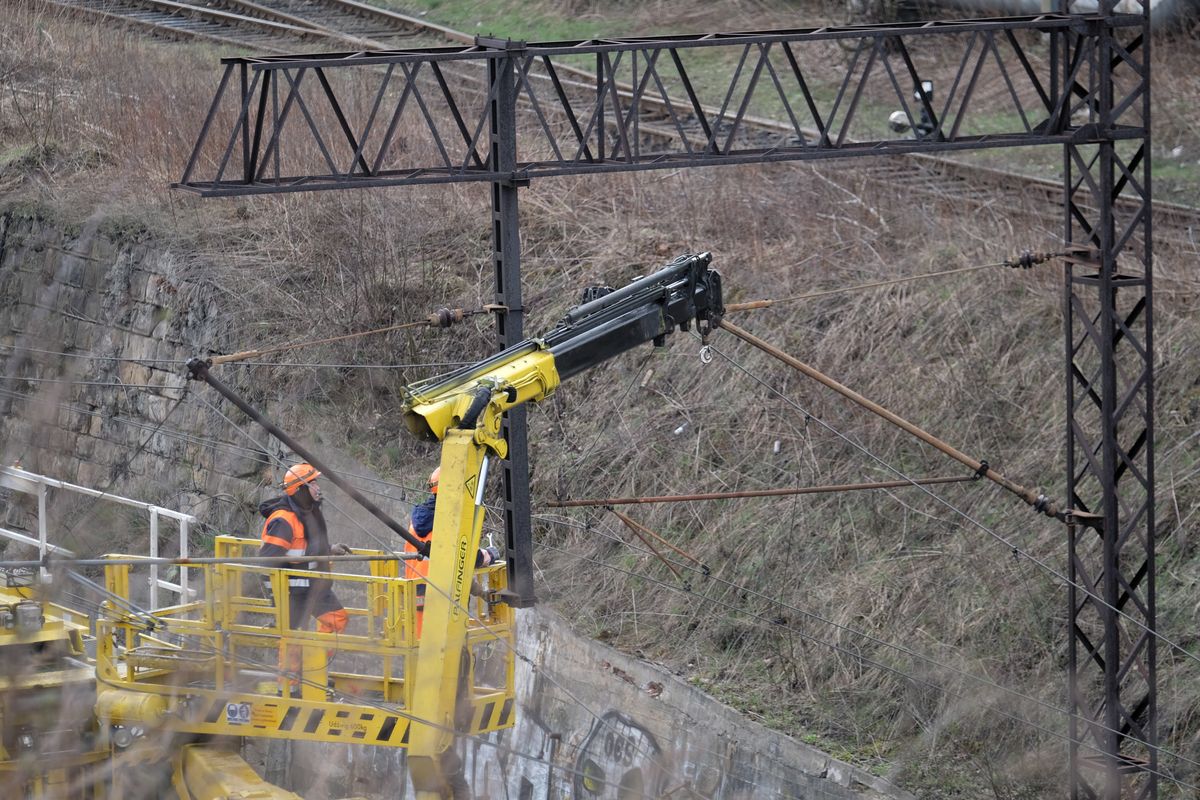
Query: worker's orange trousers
[(291, 659)]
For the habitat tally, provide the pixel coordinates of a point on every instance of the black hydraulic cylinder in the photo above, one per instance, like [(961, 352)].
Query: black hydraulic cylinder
[(198, 370), (684, 291), (646, 310)]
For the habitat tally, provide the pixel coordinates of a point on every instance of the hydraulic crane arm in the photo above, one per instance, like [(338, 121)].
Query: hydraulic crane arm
[(608, 323), (463, 410)]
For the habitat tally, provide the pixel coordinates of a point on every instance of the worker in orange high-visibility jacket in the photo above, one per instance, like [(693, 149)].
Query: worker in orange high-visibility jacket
[(295, 526), (420, 525)]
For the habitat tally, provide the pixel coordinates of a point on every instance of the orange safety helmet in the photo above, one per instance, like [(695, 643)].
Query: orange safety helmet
[(297, 476), (433, 479)]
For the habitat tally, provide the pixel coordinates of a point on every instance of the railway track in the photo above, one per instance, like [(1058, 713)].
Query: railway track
[(277, 26), (270, 25), (186, 21)]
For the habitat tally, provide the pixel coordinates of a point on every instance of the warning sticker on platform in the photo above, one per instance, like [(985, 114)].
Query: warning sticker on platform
[(237, 713), (264, 716)]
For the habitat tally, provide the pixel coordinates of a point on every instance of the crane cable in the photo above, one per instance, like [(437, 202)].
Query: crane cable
[(1025, 260), (442, 318), (1040, 502)]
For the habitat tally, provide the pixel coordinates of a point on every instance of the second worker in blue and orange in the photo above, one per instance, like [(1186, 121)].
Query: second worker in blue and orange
[(421, 526)]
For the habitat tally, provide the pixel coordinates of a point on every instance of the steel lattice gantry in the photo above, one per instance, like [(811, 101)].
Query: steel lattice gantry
[(505, 113)]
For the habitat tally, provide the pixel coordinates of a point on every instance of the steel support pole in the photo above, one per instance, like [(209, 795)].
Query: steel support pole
[(154, 554), (506, 260), (42, 523), (1110, 464)]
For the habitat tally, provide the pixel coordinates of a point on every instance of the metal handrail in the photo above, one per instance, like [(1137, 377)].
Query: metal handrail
[(25, 482)]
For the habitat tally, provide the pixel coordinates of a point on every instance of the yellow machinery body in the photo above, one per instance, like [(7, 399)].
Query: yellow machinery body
[(207, 670), (222, 682)]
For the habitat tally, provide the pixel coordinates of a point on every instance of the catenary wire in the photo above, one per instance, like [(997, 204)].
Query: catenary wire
[(1016, 550), (129, 386), (121, 469), (713, 601), (181, 361), (216, 444), (407, 488), (1028, 259), (983, 681), (911, 653), (637, 373), (97, 383)]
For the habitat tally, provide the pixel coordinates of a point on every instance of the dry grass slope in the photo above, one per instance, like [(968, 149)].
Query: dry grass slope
[(853, 620)]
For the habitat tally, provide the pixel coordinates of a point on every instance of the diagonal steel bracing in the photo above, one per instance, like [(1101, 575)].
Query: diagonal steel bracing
[(505, 113), (1112, 659), (639, 104)]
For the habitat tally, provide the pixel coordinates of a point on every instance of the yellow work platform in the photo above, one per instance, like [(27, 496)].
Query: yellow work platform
[(211, 666)]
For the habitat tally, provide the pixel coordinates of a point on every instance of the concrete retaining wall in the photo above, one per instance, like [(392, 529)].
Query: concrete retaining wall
[(601, 725)]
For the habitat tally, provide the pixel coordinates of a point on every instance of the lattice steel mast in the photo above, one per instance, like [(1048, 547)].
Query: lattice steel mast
[(1110, 393)]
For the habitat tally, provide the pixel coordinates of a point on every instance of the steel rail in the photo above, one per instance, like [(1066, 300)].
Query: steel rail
[(374, 27), (180, 20)]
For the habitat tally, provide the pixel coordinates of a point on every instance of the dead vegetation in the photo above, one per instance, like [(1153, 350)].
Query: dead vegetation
[(880, 626)]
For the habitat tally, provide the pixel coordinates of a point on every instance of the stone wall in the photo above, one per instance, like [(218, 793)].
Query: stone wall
[(96, 322), (592, 724)]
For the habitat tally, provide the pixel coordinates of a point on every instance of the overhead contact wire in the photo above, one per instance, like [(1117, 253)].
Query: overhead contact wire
[(986, 682), (1066, 581), (687, 498), (1026, 259), (909, 676), (441, 318), (1038, 501)]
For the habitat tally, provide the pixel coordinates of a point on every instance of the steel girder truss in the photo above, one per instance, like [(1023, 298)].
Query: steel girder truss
[(505, 112), (301, 123)]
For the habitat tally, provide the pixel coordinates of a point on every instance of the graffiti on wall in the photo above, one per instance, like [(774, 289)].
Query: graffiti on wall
[(619, 760)]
